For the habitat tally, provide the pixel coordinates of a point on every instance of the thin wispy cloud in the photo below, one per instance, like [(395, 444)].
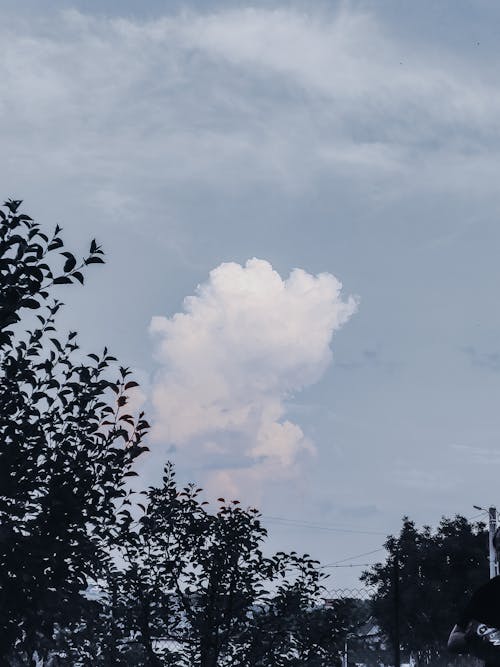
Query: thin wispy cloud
[(240, 97), (479, 455), (489, 360), (425, 479)]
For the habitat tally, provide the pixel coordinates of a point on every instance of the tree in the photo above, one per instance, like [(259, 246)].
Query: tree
[(438, 571), (292, 629), (190, 575), (201, 578), (67, 445)]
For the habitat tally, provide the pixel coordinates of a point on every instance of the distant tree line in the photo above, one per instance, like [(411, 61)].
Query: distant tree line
[(91, 573)]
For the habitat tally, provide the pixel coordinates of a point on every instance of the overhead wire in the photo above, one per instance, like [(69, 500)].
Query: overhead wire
[(340, 563), (343, 560), (349, 565), (299, 523)]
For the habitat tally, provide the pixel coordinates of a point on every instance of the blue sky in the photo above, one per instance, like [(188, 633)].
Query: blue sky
[(357, 141)]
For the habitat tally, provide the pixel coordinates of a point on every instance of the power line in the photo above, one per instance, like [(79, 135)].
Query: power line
[(343, 560), (339, 563), (298, 523), (350, 565)]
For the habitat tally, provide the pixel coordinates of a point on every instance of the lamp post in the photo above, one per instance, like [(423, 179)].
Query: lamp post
[(397, 638), (492, 526)]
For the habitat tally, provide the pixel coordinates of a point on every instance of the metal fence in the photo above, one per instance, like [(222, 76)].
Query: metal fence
[(360, 593)]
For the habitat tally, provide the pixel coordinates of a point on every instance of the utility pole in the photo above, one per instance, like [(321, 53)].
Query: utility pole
[(397, 631), (492, 512), (492, 526)]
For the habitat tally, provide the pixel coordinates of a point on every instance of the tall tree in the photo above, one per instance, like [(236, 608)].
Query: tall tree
[(67, 444), (437, 572), (191, 575), (201, 578)]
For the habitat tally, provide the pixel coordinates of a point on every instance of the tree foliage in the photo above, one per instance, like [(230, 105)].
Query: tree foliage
[(66, 443), (293, 630), (201, 578), (438, 571)]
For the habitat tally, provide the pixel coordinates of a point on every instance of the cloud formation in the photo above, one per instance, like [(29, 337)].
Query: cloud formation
[(245, 342), (241, 96)]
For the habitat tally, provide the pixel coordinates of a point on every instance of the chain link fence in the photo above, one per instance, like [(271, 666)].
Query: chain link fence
[(360, 593)]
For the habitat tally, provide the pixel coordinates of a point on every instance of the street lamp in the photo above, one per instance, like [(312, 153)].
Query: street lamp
[(492, 526)]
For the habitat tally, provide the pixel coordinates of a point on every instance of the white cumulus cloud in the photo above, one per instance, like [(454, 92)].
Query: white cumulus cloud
[(244, 342)]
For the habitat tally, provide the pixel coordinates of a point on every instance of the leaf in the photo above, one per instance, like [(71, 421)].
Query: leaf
[(62, 280), (35, 272), (131, 384), (55, 243), (57, 344), (79, 276), (30, 303), (94, 260), (13, 204), (70, 263)]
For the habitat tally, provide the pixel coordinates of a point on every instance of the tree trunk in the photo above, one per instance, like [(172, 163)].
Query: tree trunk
[(145, 629), (208, 652)]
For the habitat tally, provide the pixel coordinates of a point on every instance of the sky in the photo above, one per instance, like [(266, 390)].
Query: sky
[(299, 205)]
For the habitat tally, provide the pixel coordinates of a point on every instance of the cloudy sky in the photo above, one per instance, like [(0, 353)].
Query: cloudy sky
[(300, 206)]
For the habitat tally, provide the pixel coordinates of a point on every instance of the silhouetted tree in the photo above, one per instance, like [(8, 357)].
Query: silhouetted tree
[(201, 578), (66, 443), (438, 571), (292, 629), (191, 574)]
